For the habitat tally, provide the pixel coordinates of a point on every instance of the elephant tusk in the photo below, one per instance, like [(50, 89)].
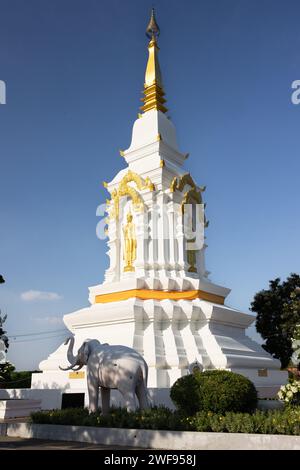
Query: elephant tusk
[(78, 368), (68, 368)]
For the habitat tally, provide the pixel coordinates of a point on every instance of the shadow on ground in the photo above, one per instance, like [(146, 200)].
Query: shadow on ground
[(17, 443)]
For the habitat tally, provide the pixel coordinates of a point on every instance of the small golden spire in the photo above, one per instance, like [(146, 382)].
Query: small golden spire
[(153, 87)]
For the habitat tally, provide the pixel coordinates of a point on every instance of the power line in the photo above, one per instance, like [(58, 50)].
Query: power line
[(37, 339), (36, 334)]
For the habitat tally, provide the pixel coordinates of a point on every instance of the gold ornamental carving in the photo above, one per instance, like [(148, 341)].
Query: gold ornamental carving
[(124, 189), (192, 196)]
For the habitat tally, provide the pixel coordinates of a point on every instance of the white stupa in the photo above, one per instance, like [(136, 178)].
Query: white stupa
[(156, 296)]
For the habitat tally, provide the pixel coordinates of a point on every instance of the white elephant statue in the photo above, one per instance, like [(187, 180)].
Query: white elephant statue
[(111, 367)]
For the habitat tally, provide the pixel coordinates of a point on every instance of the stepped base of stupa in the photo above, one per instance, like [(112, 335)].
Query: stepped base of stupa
[(171, 335)]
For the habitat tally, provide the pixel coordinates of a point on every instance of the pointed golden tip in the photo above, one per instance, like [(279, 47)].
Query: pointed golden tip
[(152, 30), (153, 87)]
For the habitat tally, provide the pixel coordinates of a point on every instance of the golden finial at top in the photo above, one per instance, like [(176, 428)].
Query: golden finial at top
[(153, 87), (152, 30)]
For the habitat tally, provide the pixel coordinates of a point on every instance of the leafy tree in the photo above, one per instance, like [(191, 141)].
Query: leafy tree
[(276, 317), (3, 336), (6, 370), (291, 313)]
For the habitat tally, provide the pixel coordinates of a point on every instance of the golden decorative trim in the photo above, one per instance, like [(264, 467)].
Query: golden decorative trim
[(76, 375), (186, 180), (125, 190), (190, 197), (122, 153), (162, 164), (146, 294), (149, 184), (105, 184), (159, 137), (153, 89), (173, 185), (137, 179)]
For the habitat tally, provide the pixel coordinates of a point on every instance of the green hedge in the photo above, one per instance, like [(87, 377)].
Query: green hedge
[(286, 421), (214, 390), (20, 379), (154, 418)]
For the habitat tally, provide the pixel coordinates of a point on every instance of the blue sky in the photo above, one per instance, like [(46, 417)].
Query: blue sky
[(74, 72)]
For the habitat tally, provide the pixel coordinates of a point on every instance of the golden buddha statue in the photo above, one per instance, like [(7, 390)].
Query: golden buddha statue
[(129, 243)]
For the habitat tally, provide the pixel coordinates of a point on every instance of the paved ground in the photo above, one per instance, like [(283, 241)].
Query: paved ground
[(13, 443)]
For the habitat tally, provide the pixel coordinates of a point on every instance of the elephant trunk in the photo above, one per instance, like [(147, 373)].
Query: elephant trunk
[(71, 358)]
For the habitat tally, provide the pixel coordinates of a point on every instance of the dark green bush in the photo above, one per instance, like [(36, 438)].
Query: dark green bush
[(261, 422), (286, 421), (185, 394), (70, 416), (6, 370), (13, 379), (155, 418), (214, 390)]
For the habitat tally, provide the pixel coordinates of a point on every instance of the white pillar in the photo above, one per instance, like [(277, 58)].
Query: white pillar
[(113, 272), (171, 236), (152, 240), (179, 233), (141, 230)]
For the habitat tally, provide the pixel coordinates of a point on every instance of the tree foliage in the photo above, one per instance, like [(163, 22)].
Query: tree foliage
[(277, 316), (3, 336), (291, 313)]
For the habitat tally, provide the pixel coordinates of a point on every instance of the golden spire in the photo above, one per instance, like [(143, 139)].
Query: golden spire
[(153, 87)]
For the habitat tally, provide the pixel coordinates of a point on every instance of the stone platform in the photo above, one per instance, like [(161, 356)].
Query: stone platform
[(11, 408)]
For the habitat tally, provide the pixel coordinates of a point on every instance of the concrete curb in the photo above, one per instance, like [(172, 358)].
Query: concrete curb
[(172, 440)]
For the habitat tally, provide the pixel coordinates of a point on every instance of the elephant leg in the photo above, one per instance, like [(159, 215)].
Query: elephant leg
[(105, 399), (130, 401), (93, 391), (142, 396)]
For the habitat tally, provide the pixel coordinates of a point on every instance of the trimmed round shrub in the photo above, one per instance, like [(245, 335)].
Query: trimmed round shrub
[(185, 394), (217, 391)]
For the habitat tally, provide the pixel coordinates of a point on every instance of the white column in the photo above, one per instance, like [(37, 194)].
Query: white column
[(113, 272), (171, 353), (162, 232), (141, 229), (149, 341), (152, 240), (179, 233), (171, 235), (189, 344)]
